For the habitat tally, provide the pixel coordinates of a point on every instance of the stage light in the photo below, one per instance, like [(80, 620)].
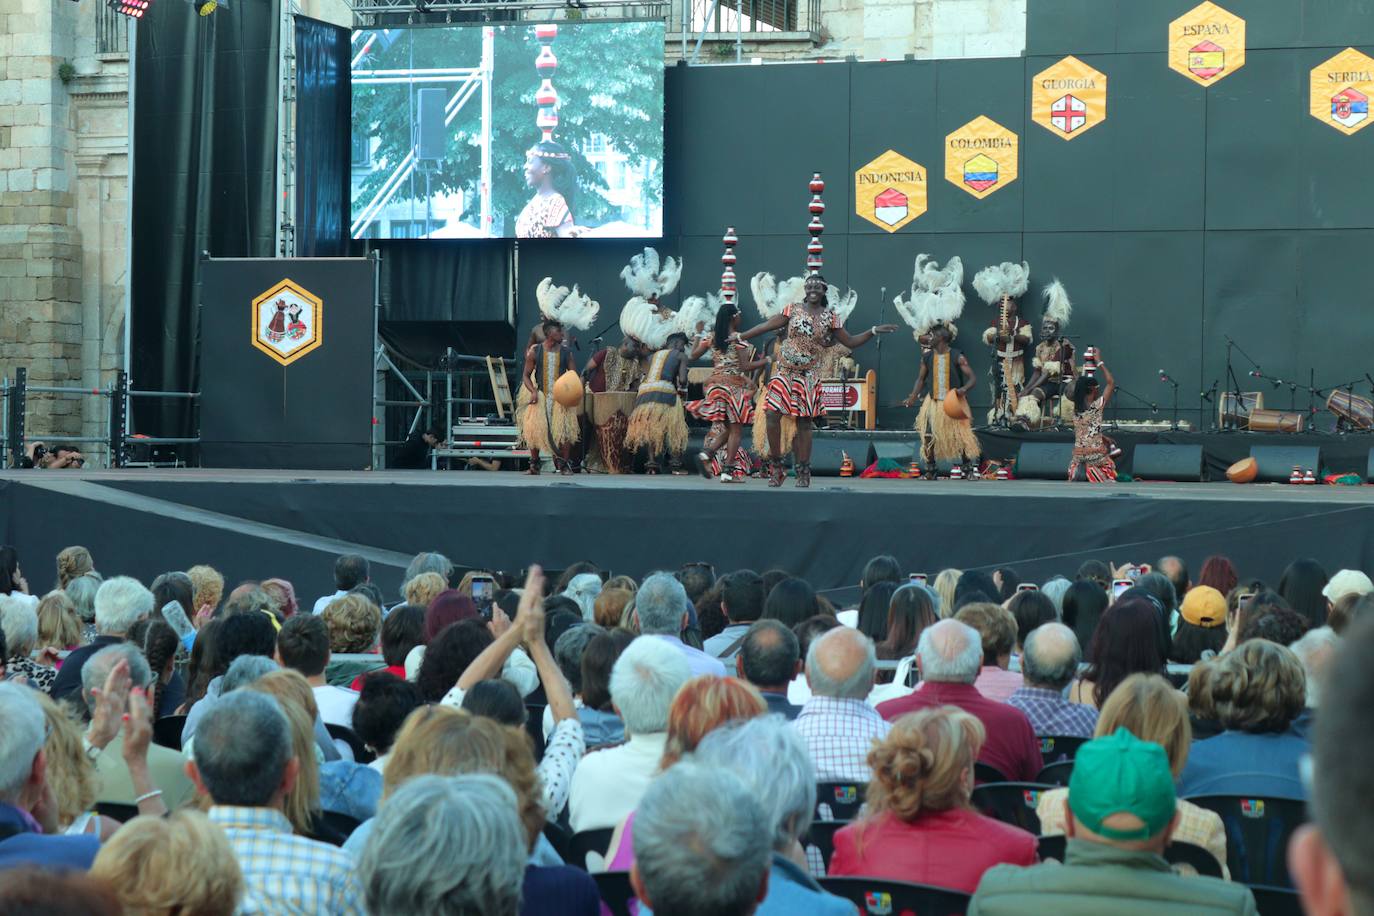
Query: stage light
[(134, 9)]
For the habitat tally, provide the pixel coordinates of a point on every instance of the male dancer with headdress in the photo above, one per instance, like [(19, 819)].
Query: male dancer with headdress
[(1051, 383), (614, 370), (1009, 334), (658, 422), (546, 425)]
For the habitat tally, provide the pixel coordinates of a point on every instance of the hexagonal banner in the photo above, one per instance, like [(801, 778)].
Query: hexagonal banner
[(1207, 43), (981, 157), (287, 322), (1069, 98), (1340, 89), (890, 191)]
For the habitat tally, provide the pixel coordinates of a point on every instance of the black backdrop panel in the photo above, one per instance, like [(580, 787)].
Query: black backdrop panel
[(314, 413), (907, 93), (968, 88), (323, 102), (441, 280), (1059, 27)]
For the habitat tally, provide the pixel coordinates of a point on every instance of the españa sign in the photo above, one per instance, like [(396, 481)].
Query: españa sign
[(980, 157), (1069, 98), (1340, 89), (1206, 44), (890, 191)]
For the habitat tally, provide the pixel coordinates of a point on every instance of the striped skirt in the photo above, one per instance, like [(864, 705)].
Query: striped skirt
[(1098, 468), (724, 404), (795, 394)]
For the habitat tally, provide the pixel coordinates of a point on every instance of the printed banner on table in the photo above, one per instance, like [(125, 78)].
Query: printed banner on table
[(287, 322), (890, 191), (1069, 98), (1207, 43), (981, 157), (1340, 91)]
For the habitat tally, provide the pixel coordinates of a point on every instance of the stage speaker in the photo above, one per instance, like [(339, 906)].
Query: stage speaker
[(1276, 461), (430, 130), (1369, 468), (1167, 462), (900, 452), (828, 453), (1044, 460)]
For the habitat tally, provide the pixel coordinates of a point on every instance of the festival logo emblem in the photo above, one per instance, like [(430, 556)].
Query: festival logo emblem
[(890, 191), (1207, 44), (981, 157), (1340, 90), (878, 903), (1069, 98), (287, 322)]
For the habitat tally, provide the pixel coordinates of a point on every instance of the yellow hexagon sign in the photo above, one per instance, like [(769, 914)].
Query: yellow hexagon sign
[(1340, 89), (890, 191), (1069, 98), (981, 157), (1207, 44), (287, 322)]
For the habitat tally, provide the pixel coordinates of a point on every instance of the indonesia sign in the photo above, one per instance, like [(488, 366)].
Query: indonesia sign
[(1340, 89), (890, 191), (981, 157), (1069, 98), (287, 322), (1206, 44)]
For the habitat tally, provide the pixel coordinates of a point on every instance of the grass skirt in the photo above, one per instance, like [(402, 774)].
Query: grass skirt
[(656, 425), (952, 439), (536, 430)]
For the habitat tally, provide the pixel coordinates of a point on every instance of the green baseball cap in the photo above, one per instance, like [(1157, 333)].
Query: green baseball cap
[(1120, 774)]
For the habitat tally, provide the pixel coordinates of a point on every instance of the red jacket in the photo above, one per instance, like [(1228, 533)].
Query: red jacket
[(1011, 746), (944, 848)]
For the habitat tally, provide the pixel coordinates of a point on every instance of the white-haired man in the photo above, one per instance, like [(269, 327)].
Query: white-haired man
[(607, 785), (661, 612), (1049, 661), (120, 603), (837, 724), (1315, 650), (950, 655)]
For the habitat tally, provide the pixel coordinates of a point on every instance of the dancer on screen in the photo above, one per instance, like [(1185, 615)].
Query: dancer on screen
[(1091, 449), (548, 215)]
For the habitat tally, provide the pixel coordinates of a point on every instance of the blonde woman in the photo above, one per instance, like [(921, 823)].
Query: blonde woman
[(424, 588), (297, 701), (1147, 706), (207, 590), (919, 825), (58, 624), (170, 866), (73, 562), (945, 584), (70, 773), (354, 624)]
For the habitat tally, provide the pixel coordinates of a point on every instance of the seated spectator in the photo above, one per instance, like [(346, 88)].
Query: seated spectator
[(661, 612), (20, 625), (446, 844), (496, 700), (871, 619), (302, 802), (119, 604), (70, 773), (427, 561), (1329, 858), (28, 817), (1049, 662), (402, 630), (82, 591), (382, 707), (1281, 626), (710, 618), (608, 784), (207, 591), (741, 601), (460, 649), (567, 652), (610, 606), (1127, 641), (1201, 632), (350, 571), (303, 646), (73, 562), (919, 826), (791, 600), (975, 587), (448, 655), (1054, 590), (1030, 610), (600, 722), (354, 623), (770, 758), (1315, 651), (283, 597), (997, 629), (1243, 604), (12, 581), (582, 590), (58, 625), (245, 762), (160, 647), (1120, 815), (950, 656), (798, 692), (1349, 608), (180, 864), (1084, 604), (238, 635), (424, 588), (1257, 692), (837, 724), (1176, 571), (945, 584), (1218, 572), (1301, 586), (702, 845), (908, 613), (1148, 706), (769, 658)]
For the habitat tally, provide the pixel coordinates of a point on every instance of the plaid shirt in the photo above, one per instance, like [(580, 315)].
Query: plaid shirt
[(838, 735), (1051, 714), (284, 873)]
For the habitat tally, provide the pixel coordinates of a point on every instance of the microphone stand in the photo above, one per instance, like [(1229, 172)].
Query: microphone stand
[(1210, 397), (1169, 380), (1154, 408)]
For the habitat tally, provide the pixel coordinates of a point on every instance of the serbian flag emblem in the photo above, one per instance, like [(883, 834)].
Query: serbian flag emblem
[(1206, 60), (1349, 107), (1068, 113), (980, 172)]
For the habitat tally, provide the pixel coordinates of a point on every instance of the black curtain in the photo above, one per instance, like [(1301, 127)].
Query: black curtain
[(323, 115), (444, 280), (204, 179)]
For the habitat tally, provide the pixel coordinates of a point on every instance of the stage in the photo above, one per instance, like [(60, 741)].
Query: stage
[(256, 524)]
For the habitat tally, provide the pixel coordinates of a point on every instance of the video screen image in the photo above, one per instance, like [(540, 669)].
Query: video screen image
[(519, 130)]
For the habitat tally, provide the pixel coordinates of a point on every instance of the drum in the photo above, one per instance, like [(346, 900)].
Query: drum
[(1275, 421), (1243, 471), (956, 406), (1353, 409), (567, 389), (609, 412), (1232, 413)]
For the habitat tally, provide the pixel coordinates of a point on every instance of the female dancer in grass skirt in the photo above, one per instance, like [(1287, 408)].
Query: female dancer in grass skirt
[(728, 403)]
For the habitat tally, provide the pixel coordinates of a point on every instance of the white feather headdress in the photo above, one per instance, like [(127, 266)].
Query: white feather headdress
[(771, 297), (647, 278), (1058, 308), (937, 295), (570, 308), (648, 323), (695, 310), (843, 304), (1005, 279)]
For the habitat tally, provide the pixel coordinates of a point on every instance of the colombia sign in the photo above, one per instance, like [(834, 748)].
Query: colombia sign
[(980, 157), (1206, 44), (1340, 89), (1069, 98), (890, 191)]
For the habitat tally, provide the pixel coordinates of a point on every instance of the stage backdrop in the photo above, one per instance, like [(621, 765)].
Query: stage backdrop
[(286, 361)]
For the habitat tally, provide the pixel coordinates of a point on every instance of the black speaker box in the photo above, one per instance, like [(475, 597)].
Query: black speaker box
[(430, 130), (895, 450), (1044, 460), (829, 452), (1276, 462), (1167, 462), (1369, 468)]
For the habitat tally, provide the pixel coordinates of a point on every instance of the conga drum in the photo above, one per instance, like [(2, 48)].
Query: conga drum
[(1233, 412), (1276, 421), (609, 412), (1353, 409)]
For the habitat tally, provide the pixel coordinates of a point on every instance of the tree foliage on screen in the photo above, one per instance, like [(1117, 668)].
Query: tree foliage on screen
[(609, 82)]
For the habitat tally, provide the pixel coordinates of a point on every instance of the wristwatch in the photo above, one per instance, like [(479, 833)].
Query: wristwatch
[(92, 752)]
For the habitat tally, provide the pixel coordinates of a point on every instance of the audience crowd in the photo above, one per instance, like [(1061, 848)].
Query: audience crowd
[(686, 744)]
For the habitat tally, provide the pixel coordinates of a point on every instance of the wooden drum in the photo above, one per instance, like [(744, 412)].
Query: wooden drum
[(609, 412), (602, 405), (1275, 421), (1232, 413), (1353, 409)]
